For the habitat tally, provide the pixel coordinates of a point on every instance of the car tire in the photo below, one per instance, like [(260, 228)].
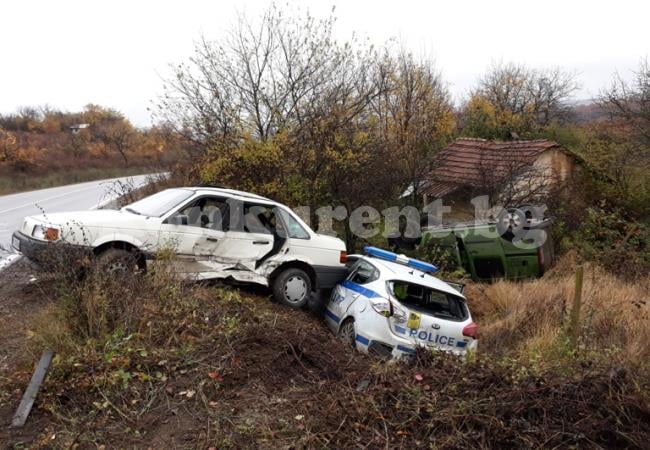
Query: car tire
[(117, 261), (292, 287), (347, 332), (509, 222)]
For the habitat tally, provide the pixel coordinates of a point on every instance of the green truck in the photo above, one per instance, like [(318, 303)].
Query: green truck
[(486, 254), (512, 249)]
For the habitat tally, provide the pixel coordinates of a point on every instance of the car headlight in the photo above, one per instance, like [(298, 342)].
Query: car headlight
[(45, 233)]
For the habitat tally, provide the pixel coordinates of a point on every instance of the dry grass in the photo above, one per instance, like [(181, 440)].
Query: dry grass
[(152, 362), (529, 319)]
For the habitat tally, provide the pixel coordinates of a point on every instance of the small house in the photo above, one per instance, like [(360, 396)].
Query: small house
[(509, 172)]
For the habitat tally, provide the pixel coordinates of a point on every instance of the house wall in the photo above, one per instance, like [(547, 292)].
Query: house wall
[(556, 162)]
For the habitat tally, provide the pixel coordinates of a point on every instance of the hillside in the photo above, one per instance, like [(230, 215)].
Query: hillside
[(158, 363)]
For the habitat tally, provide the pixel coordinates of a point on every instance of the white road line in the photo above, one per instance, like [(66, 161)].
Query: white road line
[(9, 260), (30, 204)]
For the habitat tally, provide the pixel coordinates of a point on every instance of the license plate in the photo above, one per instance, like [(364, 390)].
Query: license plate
[(15, 243), (414, 321)]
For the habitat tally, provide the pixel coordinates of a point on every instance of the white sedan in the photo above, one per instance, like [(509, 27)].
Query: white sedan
[(390, 304), (214, 232)]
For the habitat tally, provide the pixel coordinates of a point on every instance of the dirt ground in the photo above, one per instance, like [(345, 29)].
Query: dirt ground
[(228, 368), (24, 292)]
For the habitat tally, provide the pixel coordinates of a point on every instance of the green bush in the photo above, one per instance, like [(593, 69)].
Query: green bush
[(613, 241)]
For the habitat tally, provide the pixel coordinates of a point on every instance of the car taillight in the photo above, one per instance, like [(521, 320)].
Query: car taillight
[(344, 257), (382, 306), (471, 330)]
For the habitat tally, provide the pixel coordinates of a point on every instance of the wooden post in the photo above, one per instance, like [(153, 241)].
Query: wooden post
[(29, 396), (574, 320)]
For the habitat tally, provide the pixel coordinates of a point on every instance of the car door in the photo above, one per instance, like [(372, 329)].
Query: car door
[(250, 235), (352, 294), (195, 231)]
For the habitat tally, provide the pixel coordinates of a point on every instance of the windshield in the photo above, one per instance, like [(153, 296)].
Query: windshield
[(158, 204), (429, 301)]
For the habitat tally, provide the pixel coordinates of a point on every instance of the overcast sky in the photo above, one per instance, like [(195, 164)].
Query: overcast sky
[(114, 53)]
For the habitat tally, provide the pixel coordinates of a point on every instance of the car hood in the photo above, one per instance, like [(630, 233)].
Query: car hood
[(94, 218)]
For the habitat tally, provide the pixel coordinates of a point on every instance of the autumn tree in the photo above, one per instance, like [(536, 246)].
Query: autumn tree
[(117, 135), (619, 148), (415, 116), (512, 100), (8, 147), (283, 109)]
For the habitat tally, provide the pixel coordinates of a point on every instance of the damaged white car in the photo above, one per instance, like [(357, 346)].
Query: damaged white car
[(215, 233)]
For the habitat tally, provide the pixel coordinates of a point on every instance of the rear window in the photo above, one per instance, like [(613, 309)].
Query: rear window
[(429, 301), (363, 273)]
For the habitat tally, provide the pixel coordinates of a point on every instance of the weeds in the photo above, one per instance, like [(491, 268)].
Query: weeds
[(529, 319), (147, 360)]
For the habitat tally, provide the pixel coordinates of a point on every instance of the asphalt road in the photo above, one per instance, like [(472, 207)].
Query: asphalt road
[(73, 197)]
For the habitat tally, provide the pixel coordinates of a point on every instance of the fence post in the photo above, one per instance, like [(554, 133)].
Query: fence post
[(574, 320)]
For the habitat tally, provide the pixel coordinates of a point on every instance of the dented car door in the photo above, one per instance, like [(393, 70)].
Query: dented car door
[(195, 232)]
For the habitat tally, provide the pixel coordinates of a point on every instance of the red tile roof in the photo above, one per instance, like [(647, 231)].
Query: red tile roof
[(467, 161)]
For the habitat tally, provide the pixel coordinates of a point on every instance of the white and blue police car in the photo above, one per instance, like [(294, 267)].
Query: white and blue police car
[(390, 304)]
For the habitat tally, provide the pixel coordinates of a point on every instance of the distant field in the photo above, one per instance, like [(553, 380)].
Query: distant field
[(10, 184)]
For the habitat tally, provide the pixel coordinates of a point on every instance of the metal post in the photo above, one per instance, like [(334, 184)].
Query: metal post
[(29, 396), (574, 322)]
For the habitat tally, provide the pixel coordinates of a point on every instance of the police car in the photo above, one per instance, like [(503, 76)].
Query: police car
[(390, 304)]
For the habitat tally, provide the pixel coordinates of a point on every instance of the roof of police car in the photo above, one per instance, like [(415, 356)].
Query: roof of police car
[(405, 273)]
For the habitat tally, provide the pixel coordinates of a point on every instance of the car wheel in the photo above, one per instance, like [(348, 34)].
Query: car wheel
[(117, 261), (509, 222), (292, 287), (347, 333)]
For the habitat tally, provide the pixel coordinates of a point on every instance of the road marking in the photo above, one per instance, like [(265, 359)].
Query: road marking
[(9, 260), (47, 199)]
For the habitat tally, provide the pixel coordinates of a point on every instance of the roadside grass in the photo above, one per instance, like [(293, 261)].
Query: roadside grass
[(152, 361), (529, 320), (10, 184)]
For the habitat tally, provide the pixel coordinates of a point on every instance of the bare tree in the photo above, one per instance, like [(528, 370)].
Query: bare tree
[(261, 77), (630, 102), (415, 115)]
